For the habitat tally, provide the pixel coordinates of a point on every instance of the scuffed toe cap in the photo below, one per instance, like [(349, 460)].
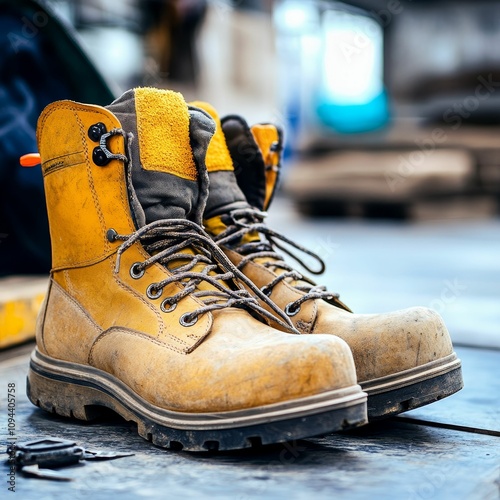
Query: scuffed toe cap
[(273, 368), (384, 344), (241, 364)]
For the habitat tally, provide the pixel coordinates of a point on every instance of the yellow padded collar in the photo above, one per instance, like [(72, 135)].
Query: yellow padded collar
[(218, 157), (163, 130)]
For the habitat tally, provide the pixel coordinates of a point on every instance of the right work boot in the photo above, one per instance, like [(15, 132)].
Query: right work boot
[(144, 314), (404, 359)]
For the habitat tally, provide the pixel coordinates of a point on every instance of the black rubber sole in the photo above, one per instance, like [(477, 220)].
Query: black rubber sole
[(439, 384), (85, 393)]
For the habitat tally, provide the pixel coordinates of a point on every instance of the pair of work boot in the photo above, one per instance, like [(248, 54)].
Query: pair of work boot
[(169, 304)]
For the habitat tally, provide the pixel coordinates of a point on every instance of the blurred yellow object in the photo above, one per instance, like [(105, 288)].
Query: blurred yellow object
[(20, 301)]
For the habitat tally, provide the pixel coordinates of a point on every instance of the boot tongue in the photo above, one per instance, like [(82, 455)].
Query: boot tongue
[(255, 152), (225, 194), (167, 177)]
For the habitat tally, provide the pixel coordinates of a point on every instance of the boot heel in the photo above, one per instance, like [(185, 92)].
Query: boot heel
[(63, 398)]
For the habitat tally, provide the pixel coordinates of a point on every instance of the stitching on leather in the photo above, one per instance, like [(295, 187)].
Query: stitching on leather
[(68, 282), (152, 307), (133, 333), (137, 295), (44, 313), (78, 306), (179, 287), (75, 110), (87, 263), (90, 177), (50, 169)]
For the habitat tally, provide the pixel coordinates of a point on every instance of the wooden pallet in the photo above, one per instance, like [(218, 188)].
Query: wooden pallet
[(396, 184)]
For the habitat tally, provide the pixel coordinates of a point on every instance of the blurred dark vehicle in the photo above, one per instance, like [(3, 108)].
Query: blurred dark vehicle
[(41, 61)]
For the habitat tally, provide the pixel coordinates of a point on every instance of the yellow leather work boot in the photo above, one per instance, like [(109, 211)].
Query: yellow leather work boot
[(404, 359), (145, 315)]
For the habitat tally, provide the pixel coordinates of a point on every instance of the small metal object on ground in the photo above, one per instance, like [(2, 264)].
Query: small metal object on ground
[(36, 457), (48, 452)]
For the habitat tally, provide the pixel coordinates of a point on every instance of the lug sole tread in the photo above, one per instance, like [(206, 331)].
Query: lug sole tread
[(392, 402), (73, 399)]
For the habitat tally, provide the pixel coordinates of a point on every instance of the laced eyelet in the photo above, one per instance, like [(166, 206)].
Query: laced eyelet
[(266, 291), (152, 294), (136, 273), (167, 309), (111, 235), (99, 157), (183, 321), (96, 131), (290, 310)]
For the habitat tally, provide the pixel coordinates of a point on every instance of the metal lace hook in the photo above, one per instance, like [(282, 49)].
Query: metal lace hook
[(104, 146)]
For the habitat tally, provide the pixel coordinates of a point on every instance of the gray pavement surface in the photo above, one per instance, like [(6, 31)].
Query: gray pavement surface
[(402, 458)]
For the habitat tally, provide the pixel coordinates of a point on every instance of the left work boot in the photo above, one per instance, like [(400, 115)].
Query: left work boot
[(404, 359), (144, 314)]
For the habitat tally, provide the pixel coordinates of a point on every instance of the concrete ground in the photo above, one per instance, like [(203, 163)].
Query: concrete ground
[(450, 449)]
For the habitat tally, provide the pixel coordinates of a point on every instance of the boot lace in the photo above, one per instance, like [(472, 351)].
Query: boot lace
[(192, 257), (242, 222)]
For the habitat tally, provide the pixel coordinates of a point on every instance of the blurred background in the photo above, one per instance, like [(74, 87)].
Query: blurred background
[(393, 103), (391, 112)]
